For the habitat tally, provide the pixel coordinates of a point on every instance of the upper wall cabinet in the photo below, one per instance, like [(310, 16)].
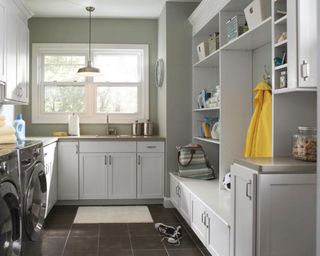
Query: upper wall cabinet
[(14, 52)]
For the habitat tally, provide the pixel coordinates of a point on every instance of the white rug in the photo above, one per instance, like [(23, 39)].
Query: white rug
[(113, 214)]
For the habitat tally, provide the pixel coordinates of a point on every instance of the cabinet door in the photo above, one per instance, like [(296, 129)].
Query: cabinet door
[(22, 62), (3, 19), (68, 174), (307, 43), (243, 192), (150, 175), (174, 195), (185, 203), (93, 176), (218, 235), (122, 176), (51, 175), (198, 213), (287, 214), (11, 47)]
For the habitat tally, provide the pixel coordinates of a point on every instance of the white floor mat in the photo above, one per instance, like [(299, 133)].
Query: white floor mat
[(113, 214)]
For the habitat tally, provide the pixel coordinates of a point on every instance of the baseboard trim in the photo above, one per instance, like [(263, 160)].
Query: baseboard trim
[(111, 202), (167, 203)]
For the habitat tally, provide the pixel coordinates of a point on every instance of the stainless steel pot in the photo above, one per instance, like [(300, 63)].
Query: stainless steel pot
[(137, 129), (148, 128)]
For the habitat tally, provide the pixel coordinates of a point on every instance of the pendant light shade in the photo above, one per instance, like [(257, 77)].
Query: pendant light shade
[(89, 71)]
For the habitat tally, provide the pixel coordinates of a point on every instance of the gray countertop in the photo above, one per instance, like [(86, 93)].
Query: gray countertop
[(278, 165), (48, 140)]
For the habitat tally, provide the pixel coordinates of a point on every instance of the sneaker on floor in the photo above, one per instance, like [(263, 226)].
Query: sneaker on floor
[(165, 230)]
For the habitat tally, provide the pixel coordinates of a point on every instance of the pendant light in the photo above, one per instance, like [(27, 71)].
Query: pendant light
[(89, 71)]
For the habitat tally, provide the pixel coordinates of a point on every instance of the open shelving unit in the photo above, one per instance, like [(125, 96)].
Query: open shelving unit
[(232, 67)]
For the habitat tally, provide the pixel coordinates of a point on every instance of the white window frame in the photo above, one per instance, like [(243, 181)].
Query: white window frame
[(90, 115)]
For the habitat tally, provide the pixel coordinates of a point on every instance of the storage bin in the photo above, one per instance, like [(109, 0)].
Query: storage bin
[(203, 50), (305, 144), (235, 26), (257, 11)]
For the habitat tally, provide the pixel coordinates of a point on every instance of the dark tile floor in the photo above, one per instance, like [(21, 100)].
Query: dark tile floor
[(63, 238)]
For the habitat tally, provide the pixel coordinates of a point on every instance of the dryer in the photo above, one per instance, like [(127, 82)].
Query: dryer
[(34, 191), (10, 202)]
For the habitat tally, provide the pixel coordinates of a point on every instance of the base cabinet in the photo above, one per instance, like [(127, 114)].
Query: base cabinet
[(68, 176), (93, 176), (150, 175), (122, 176), (50, 166), (212, 231), (274, 214)]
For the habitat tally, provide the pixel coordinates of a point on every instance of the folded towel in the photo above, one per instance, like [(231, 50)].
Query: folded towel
[(8, 139), (7, 130)]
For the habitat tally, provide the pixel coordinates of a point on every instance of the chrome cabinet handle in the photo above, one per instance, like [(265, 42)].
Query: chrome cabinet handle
[(207, 223), (202, 218), (77, 149), (110, 160), (305, 70), (105, 160), (247, 190), (139, 160), (151, 147)]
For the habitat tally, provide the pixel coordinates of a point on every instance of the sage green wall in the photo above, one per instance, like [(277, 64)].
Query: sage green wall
[(113, 31), (174, 98)]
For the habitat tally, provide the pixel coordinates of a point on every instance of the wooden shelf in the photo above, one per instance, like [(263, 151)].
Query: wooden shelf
[(207, 140), (212, 60), (252, 39), (282, 43), (291, 90), (205, 109), (284, 66), (281, 21)]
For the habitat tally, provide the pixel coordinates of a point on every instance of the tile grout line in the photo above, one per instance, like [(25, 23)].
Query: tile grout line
[(67, 238), (132, 253), (99, 232)]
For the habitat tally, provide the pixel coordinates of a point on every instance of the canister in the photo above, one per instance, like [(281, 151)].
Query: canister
[(148, 128), (137, 129)]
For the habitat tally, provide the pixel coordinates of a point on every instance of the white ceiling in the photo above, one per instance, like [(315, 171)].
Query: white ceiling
[(104, 8)]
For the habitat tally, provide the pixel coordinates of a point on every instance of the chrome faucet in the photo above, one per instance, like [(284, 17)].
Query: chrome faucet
[(107, 125)]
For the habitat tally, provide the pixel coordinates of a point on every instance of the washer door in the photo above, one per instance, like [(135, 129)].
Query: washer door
[(10, 226), (35, 202)]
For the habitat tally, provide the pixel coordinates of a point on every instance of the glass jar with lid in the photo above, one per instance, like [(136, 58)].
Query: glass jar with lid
[(305, 144)]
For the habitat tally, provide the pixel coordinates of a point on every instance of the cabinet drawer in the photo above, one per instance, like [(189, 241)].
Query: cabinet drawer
[(152, 146), (107, 146)]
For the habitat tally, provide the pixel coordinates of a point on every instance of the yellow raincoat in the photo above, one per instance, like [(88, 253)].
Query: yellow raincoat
[(259, 136)]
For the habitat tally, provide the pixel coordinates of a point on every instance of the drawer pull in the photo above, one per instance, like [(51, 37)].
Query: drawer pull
[(202, 218), (151, 147), (247, 190)]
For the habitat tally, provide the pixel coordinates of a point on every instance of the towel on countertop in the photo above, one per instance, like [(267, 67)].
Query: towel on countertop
[(7, 130), (8, 139)]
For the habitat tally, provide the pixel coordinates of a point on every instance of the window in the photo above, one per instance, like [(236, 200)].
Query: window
[(121, 91)]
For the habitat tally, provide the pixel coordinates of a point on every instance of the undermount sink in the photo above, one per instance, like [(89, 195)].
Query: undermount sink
[(114, 136)]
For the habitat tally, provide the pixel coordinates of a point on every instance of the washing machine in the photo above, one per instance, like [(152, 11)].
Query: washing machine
[(10, 204), (34, 191)]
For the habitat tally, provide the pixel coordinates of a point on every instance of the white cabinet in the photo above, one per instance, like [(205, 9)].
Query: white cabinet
[(274, 213), (14, 52), (150, 175), (174, 192), (198, 219), (213, 232), (180, 197), (307, 42), (122, 176), (50, 165), (68, 176), (3, 24), (22, 87), (244, 211), (93, 176), (150, 169)]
